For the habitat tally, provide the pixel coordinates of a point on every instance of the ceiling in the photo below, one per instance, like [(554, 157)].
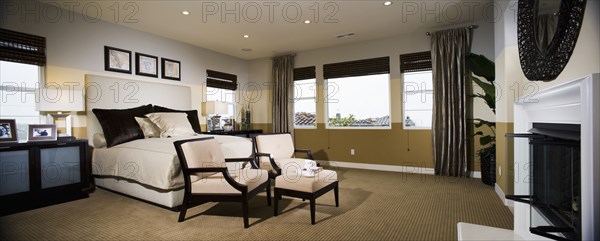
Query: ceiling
[(277, 27)]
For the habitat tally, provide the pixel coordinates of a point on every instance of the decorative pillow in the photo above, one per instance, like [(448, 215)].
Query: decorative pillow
[(192, 116), (119, 126), (150, 129), (99, 141), (172, 124)]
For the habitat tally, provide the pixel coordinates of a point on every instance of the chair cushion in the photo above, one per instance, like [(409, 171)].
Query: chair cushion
[(217, 184), (206, 153), (306, 184), (278, 145), (288, 165)]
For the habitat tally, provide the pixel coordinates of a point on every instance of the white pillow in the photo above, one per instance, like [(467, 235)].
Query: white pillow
[(172, 124), (148, 127), (99, 140)]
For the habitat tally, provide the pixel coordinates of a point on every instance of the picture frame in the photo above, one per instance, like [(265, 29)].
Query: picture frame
[(146, 65), (171, 69), (42, 133), (117, 60), (8, 130)]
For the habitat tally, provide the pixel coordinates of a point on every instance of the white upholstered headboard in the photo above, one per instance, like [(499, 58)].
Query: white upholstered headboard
[(117, 93)]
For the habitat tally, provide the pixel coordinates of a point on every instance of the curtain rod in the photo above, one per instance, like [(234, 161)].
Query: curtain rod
[(470, 26)]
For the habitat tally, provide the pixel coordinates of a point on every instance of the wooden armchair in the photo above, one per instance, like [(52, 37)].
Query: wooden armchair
[(276, 152), (207, 179)]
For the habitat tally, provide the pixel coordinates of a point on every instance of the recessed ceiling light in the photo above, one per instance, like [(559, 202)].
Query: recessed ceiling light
[(387, 3), (185, 13), (246, 36), (246, 50), (307, 21)]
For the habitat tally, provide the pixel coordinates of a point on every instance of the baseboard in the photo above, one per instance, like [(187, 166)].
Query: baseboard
[(389, 168), (502, 196), (380, 167)]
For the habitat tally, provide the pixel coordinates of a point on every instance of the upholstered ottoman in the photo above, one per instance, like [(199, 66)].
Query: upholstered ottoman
[(306, 187)]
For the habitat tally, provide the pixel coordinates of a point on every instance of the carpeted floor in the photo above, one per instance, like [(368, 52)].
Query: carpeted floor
[(373, 206)]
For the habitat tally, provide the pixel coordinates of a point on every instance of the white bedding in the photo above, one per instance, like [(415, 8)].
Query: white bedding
[(154, 162)]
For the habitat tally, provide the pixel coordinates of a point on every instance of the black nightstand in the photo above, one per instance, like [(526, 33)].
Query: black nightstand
[(38, 174), (247, 133)]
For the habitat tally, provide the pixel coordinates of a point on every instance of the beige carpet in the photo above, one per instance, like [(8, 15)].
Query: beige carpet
[(373, 206)]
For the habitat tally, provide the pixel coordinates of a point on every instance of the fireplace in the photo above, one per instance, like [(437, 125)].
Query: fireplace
[(555, 180), (557, 164)]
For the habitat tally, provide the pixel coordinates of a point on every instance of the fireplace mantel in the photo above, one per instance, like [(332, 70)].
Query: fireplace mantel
[(574, 102)]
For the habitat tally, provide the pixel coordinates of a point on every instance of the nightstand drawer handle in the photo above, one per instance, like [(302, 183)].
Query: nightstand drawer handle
[(61, 144), (4, 147)]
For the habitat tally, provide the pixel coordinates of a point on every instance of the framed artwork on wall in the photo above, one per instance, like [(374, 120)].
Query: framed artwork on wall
[(8, 130), (171, 69), (117, 60), (42, 133), (146, 65)]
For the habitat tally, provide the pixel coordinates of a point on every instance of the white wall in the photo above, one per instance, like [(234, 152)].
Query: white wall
[(483, 43), (75, 47)]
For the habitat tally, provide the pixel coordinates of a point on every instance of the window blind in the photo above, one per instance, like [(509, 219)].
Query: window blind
[(357, 68), (415, 62), (221, 80), (304, 73), (22, 48)]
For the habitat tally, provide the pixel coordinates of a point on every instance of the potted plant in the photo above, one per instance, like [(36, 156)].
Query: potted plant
[(480, 66)]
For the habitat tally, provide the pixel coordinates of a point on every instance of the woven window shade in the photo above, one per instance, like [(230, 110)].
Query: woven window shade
[(22, 48), (304, 73), (357, 68), (221, 80), (415, 62)]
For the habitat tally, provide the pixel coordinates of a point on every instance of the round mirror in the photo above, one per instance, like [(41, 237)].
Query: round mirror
[(547, 33)]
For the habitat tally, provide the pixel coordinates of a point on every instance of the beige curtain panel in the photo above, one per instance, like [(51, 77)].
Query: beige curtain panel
[(449, 49), (283, 87)]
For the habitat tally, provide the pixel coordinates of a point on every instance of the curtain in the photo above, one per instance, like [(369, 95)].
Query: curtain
[(283, 86), (449, 49)]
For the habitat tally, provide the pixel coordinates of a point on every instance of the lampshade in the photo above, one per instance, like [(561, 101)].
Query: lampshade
[(215, 107), (57, 99)]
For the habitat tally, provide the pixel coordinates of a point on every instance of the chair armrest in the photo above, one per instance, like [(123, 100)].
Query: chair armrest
[(245, 159), (226, 175), (306, 151), (273, 164)]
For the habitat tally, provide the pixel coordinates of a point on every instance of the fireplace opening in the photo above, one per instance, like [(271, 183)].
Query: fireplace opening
[(555, 180)]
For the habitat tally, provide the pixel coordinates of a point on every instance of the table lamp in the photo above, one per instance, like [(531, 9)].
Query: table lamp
[(59, 100), (215, 108)]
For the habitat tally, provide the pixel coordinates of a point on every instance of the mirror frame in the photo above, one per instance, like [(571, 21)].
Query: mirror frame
[(547, 65)]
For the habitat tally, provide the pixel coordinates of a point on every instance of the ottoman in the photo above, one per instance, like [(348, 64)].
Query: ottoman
[(306, 187)]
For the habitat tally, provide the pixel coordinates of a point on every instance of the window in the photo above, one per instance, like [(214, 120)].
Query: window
[(417, 96), (418, 100), (222, 87), (305, 109), (358, 94), (19, 84), (22, 62)]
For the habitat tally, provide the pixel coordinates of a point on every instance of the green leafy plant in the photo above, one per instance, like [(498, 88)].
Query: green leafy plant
[(482, 67), (346, 121)]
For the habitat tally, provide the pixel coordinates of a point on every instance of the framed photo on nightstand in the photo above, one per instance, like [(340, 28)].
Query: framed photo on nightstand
[(8, 130), (42, 133)]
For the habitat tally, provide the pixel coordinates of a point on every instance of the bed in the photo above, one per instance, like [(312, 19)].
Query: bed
[(146, 169)]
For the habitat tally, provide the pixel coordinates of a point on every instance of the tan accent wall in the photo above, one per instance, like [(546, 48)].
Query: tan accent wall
[(389, 147), (505, 169)]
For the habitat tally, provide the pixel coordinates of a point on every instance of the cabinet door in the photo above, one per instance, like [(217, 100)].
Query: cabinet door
[(14, 172), (60, 166)]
